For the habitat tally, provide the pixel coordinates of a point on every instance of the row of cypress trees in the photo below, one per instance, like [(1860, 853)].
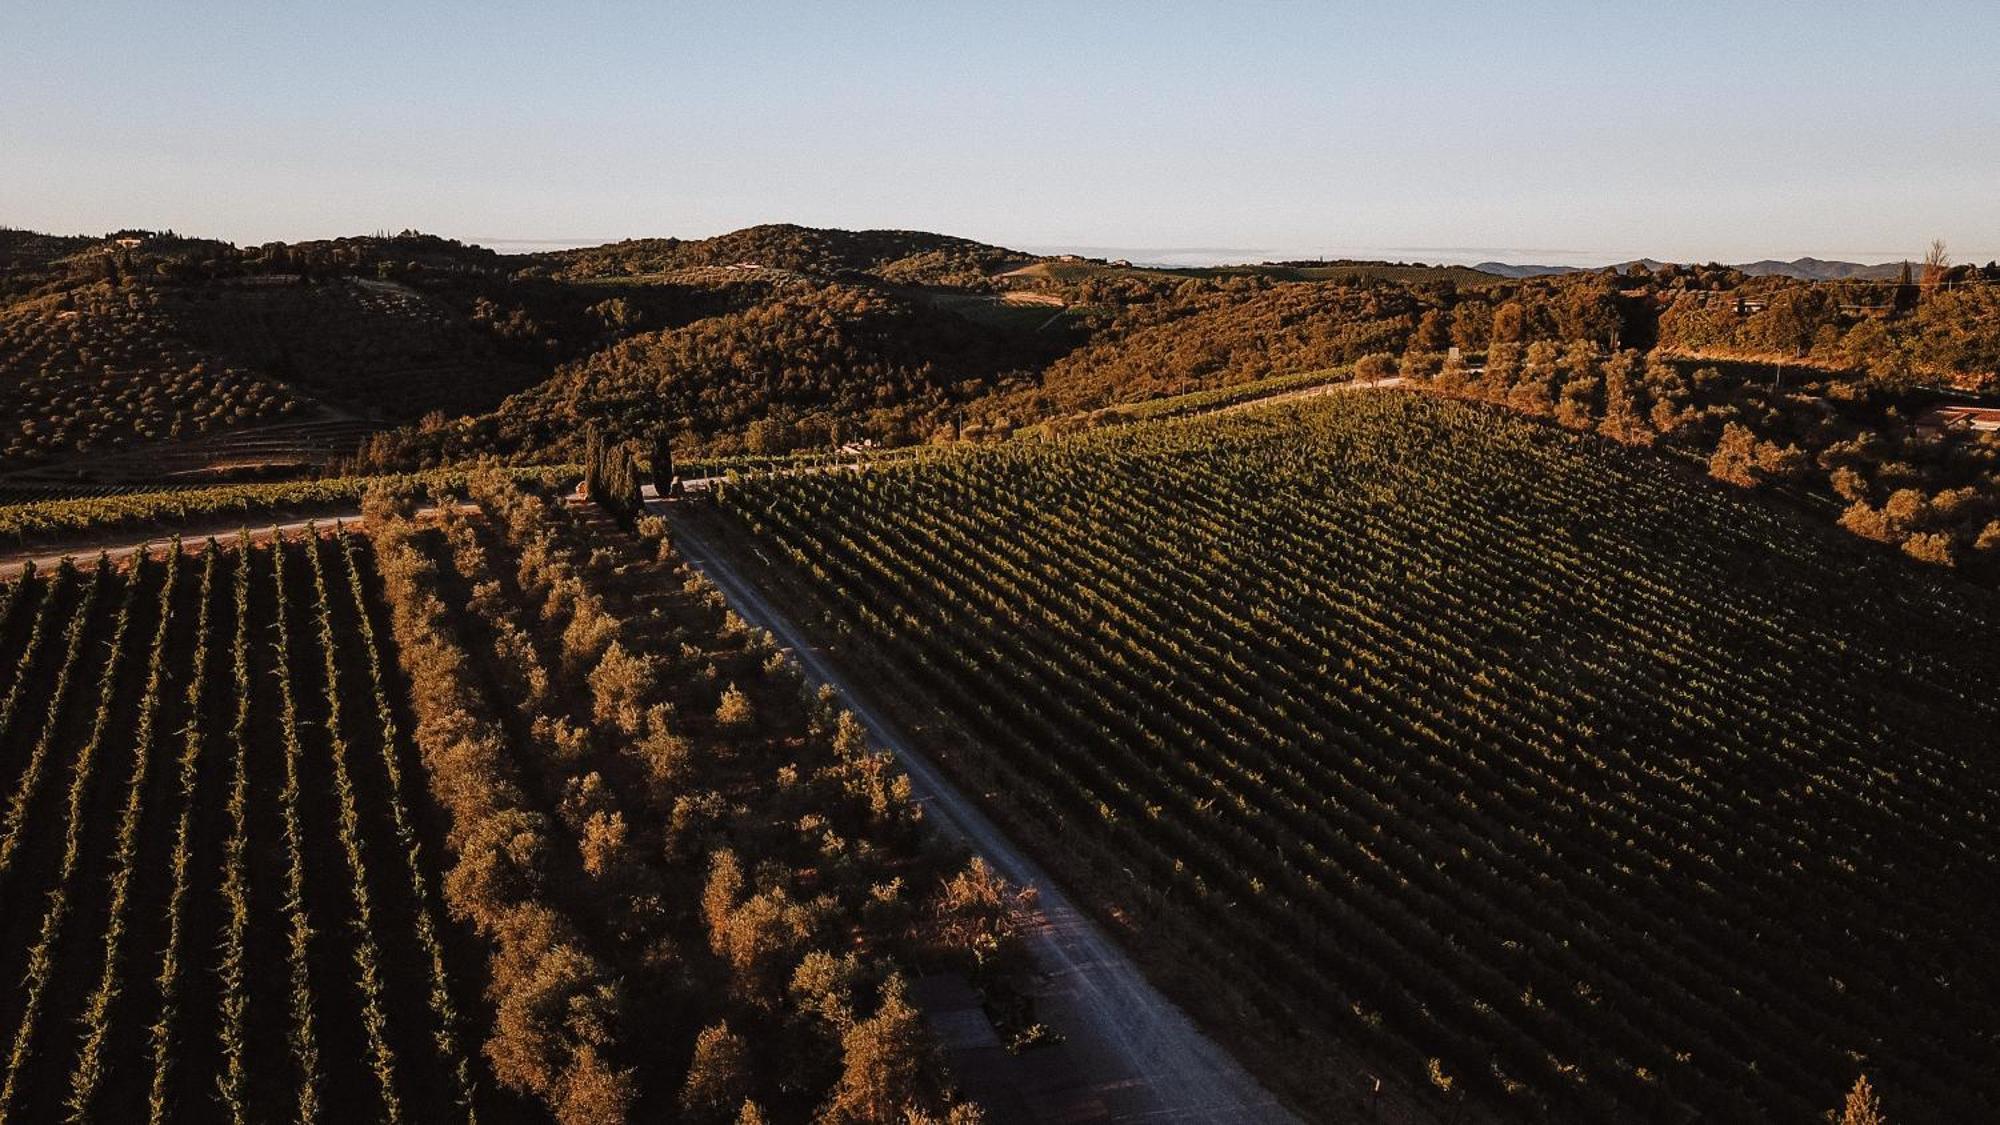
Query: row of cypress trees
[(611, 476)]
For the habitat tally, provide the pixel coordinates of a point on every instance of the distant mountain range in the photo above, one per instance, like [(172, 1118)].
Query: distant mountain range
[(1817, 269), (1804, 269)]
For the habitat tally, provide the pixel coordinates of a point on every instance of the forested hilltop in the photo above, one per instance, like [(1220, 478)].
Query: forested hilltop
[(146, 357), (891, 255), (144, 340)]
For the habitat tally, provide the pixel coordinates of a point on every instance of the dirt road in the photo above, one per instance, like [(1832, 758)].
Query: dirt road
[(1137, 1056), (120, 545), (1308, 392)]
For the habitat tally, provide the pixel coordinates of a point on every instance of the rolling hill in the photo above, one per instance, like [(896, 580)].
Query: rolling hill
[(779, 337), (914, 257), (1800, 269), (811, 364), (101, 368), (1226, 334), (146, 337), (379, 349)]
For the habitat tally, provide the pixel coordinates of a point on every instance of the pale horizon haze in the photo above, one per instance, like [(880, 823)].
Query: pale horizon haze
[(1558, 133)]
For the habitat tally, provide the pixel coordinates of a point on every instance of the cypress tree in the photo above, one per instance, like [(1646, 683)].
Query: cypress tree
[(593, 466), (628, 488), (663, 463), (1863, 1107), (1905, 299), (622, 483), (611, 475)]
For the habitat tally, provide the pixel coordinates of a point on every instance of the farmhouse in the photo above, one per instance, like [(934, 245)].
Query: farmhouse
[(1960, 419)]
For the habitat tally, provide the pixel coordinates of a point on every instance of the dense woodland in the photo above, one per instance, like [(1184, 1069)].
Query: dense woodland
[(812, 366), (1847, 448), (896, 256)]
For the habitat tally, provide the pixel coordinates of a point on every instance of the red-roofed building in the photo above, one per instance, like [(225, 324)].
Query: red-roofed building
[(1959, 419)]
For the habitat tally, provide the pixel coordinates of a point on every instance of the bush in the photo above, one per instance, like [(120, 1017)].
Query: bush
[(735, 711), (1375, 365)]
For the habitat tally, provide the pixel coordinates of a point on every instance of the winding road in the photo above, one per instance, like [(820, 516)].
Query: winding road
[(1143, 1058)]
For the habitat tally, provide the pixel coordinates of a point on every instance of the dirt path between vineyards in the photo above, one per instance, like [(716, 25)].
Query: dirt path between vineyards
[(120, 545), (1136, 1056)]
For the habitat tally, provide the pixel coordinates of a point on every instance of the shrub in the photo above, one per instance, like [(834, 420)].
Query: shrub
[(735, 710)]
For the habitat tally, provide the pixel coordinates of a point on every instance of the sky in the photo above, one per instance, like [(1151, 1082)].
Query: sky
[(1543, 132)]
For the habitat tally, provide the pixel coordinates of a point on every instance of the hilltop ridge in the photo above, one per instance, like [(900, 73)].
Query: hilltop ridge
[(1801, 269), (893, 255)]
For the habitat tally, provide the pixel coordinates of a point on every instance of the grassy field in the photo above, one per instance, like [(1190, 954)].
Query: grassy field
[(1021, 311), (1520, 761)]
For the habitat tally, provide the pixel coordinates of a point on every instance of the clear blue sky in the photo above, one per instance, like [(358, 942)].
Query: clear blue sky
[(1547, 131)]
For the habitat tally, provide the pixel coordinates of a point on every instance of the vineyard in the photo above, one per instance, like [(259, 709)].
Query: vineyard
[(190, 753), (16, 491), (102, 510), (494, 813), (1551, 779)]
